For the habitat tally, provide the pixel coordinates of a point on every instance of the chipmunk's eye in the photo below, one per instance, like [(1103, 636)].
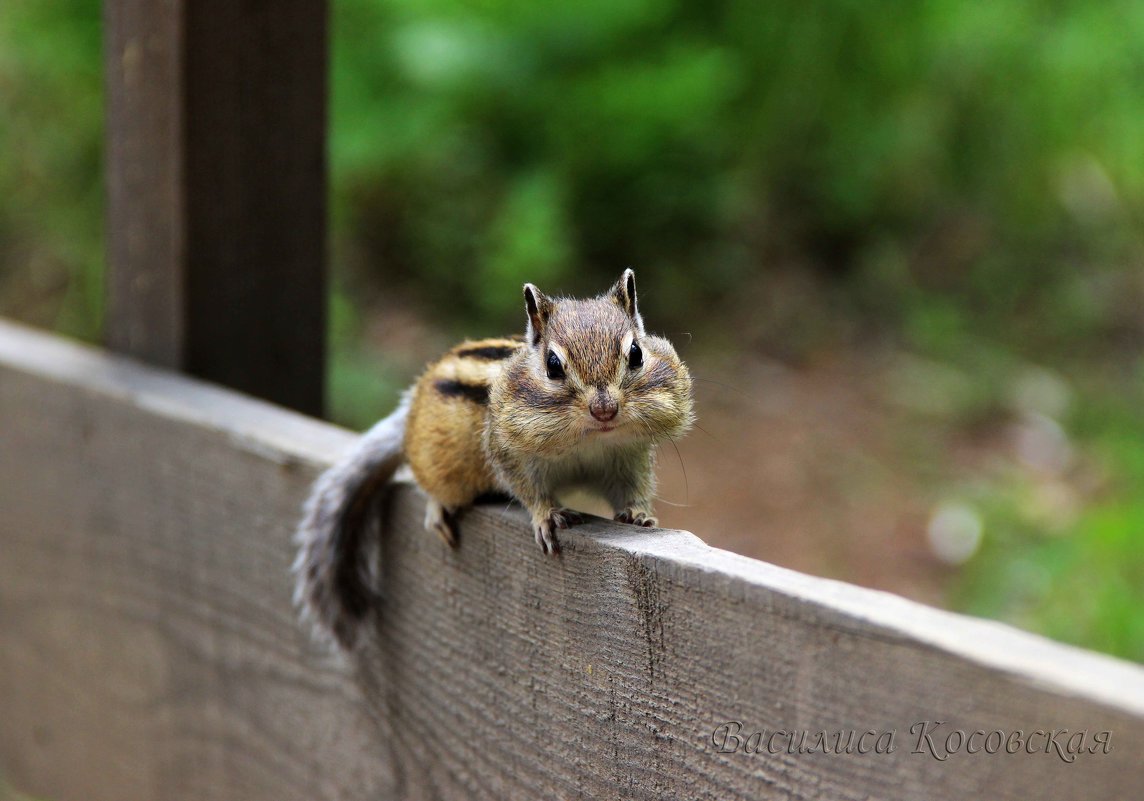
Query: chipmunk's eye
[(553, 366), (635, 356)]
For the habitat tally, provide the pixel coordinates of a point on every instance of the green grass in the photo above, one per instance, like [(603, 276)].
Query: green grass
[(1074, 575)]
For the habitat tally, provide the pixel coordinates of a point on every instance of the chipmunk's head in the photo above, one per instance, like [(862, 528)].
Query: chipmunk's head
[(592, 365)]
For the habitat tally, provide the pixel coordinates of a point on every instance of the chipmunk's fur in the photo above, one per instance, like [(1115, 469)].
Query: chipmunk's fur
[(500, 416)]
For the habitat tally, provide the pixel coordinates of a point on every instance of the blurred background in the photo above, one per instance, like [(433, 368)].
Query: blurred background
[(901, 247)]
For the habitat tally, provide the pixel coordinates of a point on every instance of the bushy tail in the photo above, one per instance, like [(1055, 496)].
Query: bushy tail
[(335, 584)]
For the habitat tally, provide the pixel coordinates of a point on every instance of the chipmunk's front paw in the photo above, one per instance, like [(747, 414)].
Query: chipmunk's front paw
[(636, 517), (545, 528)]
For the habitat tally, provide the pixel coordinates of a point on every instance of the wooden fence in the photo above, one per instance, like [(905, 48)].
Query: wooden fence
[(148, 648)]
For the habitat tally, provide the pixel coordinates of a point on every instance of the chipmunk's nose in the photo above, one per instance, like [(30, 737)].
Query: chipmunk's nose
[(603, 406)]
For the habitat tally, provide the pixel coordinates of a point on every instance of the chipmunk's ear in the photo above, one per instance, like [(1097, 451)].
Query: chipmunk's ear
[(539, 307), (624, 293)]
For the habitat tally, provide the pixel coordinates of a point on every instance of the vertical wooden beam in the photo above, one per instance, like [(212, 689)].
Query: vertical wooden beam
[(217, 190), (145, 201)]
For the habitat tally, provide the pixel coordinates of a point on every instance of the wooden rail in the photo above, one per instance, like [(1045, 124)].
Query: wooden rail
[(148, 648)]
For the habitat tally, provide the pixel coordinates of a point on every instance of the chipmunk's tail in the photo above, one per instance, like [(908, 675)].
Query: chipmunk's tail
[(335, 579)]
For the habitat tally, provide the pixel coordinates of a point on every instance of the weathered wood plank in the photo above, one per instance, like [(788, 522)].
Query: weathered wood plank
[(146, 235), (149, 647), (216, 191)]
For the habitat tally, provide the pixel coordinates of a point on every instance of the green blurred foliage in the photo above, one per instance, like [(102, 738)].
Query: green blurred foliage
[(956, 166), (964, 179), (1076, 575), (51, 188), (963, 164)]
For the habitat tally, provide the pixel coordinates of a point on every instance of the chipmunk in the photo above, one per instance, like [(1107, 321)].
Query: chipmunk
[(579, 400)]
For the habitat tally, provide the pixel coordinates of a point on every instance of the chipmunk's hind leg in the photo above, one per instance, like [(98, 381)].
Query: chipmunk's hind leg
[(442, 520)]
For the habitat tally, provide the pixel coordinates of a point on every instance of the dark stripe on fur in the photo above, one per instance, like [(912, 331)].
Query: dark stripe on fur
[(476, 393), (537, 398), (499, 498), (660, 376), (489, 353)]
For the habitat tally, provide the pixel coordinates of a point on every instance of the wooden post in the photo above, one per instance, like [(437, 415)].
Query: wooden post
[(216, 119)]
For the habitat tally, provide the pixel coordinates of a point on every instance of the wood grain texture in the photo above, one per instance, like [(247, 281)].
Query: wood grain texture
[(216, 118), (146, 205), (150, 650)]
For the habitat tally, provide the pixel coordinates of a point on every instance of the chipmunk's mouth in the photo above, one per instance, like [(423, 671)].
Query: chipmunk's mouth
[(603, 428)]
